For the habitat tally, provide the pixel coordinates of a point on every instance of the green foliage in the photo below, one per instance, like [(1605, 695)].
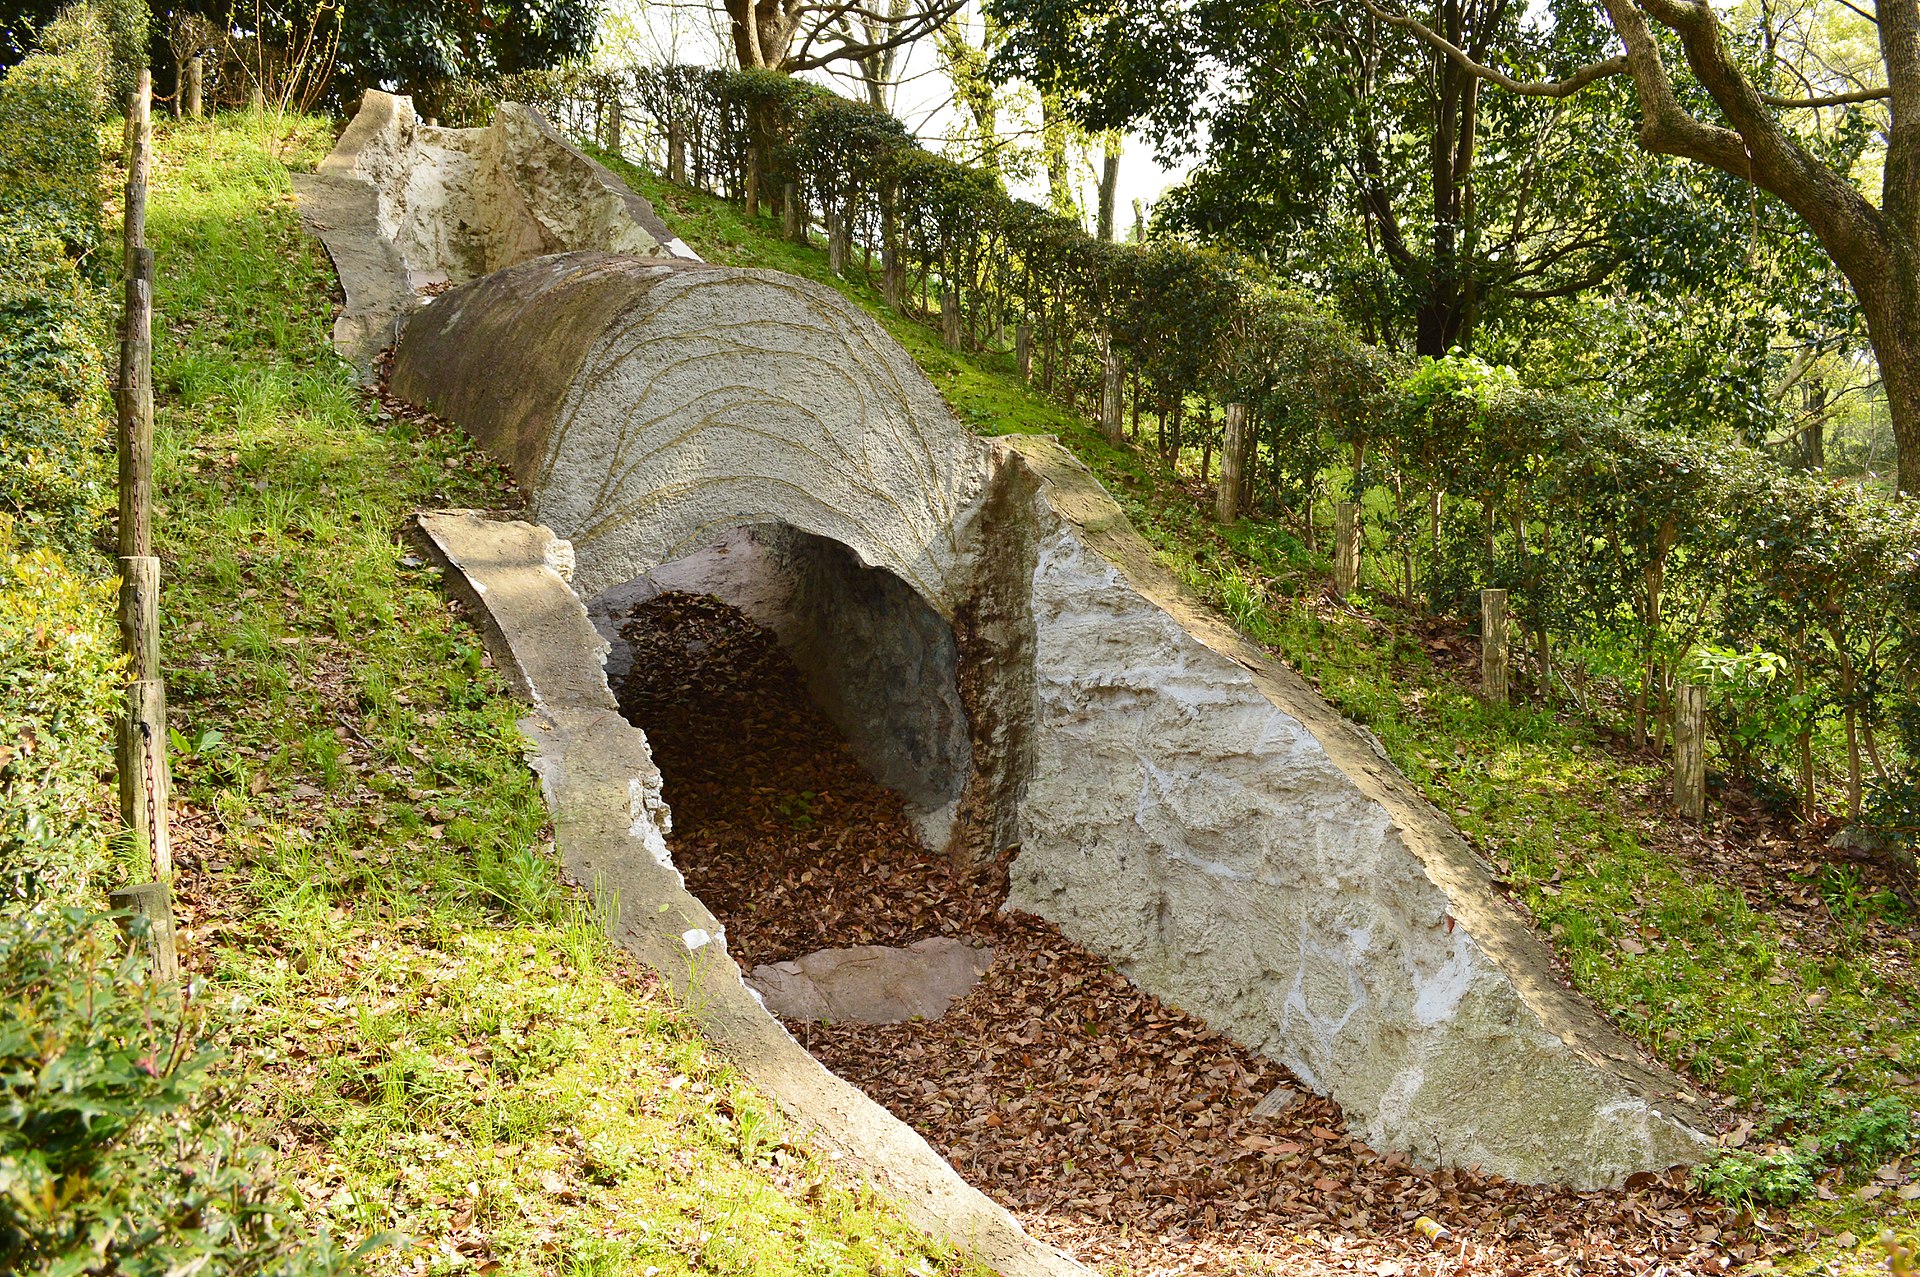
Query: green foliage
[(59, 670), (1852, 1143), (1744, 1178), (108, 40), (113, 1158), (53, 419)]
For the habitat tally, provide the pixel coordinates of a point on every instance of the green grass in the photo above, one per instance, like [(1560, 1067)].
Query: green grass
[(432, 1025), (1803, 1040)]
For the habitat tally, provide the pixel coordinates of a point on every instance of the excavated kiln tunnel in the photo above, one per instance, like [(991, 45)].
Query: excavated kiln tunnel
[(1178, 803), (1001, 645)]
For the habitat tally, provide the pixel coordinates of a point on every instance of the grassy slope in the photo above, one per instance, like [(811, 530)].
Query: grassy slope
[(435, 1030), (1713, 986)]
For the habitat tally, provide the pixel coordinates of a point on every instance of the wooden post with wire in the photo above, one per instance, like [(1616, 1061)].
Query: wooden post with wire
[(142, 745), (190, 82)]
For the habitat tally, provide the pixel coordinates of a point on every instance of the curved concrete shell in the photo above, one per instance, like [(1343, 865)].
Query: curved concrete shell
[(1180, 803)]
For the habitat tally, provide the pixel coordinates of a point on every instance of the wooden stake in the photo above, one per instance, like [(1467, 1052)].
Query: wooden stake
[(790, 224), (1233, 465), (154, 902), (1112, 401), (190, 86), (676, 153), (1346, 548), (135, 434), (1023, 350), (1690, 750), (950, 319), (140, 615), (836, 245), (1493, 645)]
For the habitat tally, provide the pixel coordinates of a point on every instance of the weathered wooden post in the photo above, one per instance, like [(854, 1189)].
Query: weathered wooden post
[(676, 153), (752, 193), (836, 244), (1023, 350), (191, 79), (1112, 400), (154, 902), (1690, 750), (141, 749), (1346, 548), (790, 225), (950, 319), (1493, 645), (1233, 466), (615, 122)]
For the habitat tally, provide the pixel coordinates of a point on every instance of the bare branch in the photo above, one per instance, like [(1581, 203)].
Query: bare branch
[(1528, 88), (1837, 99)]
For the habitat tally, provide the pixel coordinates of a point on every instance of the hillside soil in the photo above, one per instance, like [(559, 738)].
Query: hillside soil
[(1114, 1126)]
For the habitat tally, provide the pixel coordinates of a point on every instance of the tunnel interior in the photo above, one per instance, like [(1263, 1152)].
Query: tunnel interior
[(876, 660)]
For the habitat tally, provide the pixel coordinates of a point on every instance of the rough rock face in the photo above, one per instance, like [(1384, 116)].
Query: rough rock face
[(1182, 823), (404, 206), (1181, 804), (872, 984)]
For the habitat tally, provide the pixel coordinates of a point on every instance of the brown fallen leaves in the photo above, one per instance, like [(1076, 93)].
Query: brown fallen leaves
[(1113, 1125)]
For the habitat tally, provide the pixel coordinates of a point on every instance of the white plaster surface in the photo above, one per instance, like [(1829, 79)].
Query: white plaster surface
[(1180, 823)]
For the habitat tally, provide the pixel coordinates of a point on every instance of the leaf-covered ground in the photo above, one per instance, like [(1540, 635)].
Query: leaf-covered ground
[(1114, 1126), (418, 1012)]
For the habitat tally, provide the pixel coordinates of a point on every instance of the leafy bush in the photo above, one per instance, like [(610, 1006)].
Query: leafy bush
[(106, 38), (1743, 1178), (111, 1157), (59, 665), (53, 419), (50, 155)]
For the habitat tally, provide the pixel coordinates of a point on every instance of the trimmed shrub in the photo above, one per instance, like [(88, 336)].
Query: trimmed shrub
[(54, 427), (59, 665)]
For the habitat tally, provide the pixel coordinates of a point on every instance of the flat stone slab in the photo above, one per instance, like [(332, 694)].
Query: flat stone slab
[(872, 984)]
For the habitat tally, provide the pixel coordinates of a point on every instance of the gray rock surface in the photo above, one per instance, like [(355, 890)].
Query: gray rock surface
[(872, 984), (403, 206)]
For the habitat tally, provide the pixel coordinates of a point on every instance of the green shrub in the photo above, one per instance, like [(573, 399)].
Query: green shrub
[(54, 457), (111, 1158), (59, 672), (1853, 1144), (50, 155), (109, 38)]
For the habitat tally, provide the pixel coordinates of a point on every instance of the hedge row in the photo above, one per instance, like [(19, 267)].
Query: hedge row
[(1637, 551), (59, 664)]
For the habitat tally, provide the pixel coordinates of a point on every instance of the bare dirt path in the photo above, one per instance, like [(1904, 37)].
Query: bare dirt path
[(1114, 1126)]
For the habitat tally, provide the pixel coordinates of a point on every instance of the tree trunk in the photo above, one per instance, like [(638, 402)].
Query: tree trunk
[(1109, 184), (1892, 308)]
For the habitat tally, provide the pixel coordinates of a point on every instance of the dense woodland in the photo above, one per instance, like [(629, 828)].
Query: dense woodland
[(1613, 306)]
